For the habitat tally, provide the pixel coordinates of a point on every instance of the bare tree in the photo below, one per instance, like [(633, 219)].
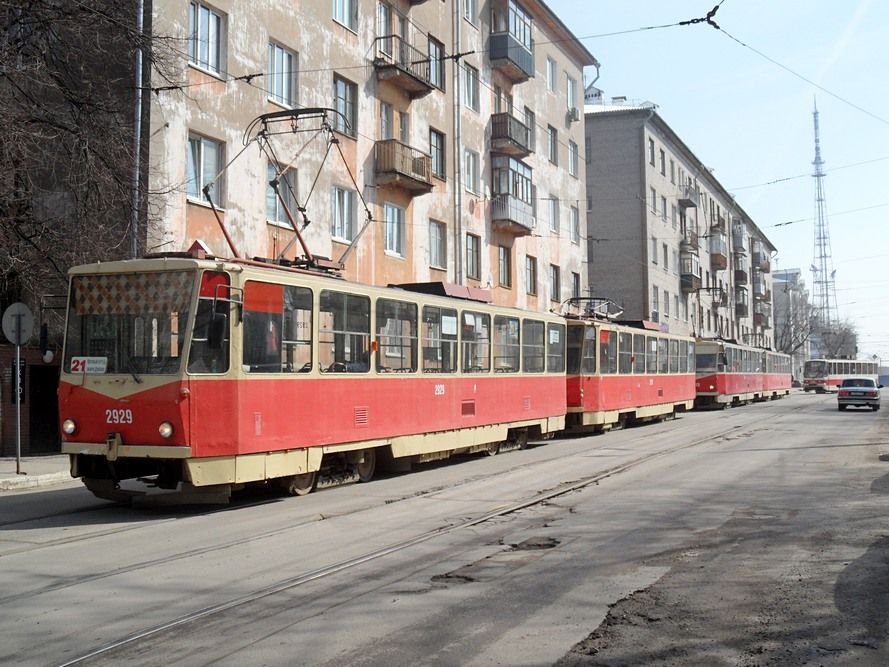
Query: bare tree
[(840, 340)]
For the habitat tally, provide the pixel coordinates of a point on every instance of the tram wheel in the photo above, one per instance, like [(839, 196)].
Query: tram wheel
[(492, 449), (300, 485), (521, 438), (367, 466)]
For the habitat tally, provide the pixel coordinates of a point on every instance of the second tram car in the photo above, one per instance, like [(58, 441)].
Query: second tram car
[(822, 375), (732, 374), (215, 373), (619, 373)]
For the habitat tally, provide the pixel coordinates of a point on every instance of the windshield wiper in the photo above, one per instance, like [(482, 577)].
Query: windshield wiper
[(132, 368)]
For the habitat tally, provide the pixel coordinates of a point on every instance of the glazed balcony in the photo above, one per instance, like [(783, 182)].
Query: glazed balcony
[(511, 57), (688, 196), (691, 240), (689, 272), (510, 136), (762, 261), (762, 316), (511, 214), (741, 276), (403, 65), (403, 166), (718, 249)]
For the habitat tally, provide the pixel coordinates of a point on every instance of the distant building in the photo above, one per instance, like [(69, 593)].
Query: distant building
[(793, 317), (667, 242)]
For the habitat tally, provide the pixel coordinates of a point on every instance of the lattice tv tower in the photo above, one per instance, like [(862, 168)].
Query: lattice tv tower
[(825, 296)]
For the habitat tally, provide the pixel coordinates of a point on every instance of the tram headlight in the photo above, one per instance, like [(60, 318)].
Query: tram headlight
[(165, 429), (69, 426)]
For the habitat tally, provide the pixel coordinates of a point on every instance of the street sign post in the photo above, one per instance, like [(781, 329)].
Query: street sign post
[(18, 325)]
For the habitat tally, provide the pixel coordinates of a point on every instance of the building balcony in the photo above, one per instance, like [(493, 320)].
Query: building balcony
[(762, 316), (718, 249), (740, 238), (742, 308), (690, 240), (512, 58), (688, 196), (403, 65), (509, 135), (511, 214), (741, 276), (762, 261), (689, 282), (401, 165), (689, 271)]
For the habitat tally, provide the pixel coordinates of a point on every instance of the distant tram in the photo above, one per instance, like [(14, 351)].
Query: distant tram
[(733, 374), (823, 375)]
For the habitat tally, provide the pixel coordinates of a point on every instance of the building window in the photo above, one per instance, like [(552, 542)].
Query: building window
[(571, 92), (663, 163), (206, 37), (572, 158), (531, 122), (438, 250), (575, 225), (554, 214), (346, 13), (551, 75), (666, 304), (342, 225), (653, 250), (283, 66), (505, 266), (552, 146), (393, 229), (386, 121), (651, 152), (470, 78), (666, 250), (588, 150), (345, 93), (653, 193), (664, 209), (473, 257), (436, 63), (531, 275), (672, 171), (655, 307), (204, 160), (473, 183), (287, 187), (437, 151), (555, 286), (674, 216), (470, 11), (575, 285)]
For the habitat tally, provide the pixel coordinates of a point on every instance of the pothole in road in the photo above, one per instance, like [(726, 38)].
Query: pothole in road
[(535, 543), (884, 457)]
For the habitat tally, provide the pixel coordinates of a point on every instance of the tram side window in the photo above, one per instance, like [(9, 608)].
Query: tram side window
[(651, 354), (439, 340), (263, 327), (507, 351), (396, 336), (204, 357), (475, 337), (638, 353), (533, 348), (663, 355), (691, 357), (297, 335), (343, 333), (625, 353), (575, 348), (674, 356), (608, 351), (683, 356), (555, 348)]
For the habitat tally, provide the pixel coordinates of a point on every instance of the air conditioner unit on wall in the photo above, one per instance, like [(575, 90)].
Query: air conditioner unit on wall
[(573, 114)]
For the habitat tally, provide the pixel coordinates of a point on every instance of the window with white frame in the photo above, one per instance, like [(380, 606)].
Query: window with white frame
[(386, 121), (664, 208), (554, 214), (653, 194), (470, 11), (651, 152), (282, 82), (287, 187), (666, 304), (473, 257), (575, 285), (344, 94), (437, 151), (505, 263), (531, 275), (342, 226), (571, 92), (345, 12), (393, 229), (552, 146), (204, 162), (654, 250), (438, 252), (666, 250), (575, 225), (663, 155), (206, 37), (572, 158), (470, 90), (473, 182), (531, 122), (550, 74), (655, 304), (555, 283)]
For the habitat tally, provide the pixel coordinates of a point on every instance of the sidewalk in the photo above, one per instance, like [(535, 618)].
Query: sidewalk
[(39, 471)]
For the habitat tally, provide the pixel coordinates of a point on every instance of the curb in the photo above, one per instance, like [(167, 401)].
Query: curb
[(33, 481)]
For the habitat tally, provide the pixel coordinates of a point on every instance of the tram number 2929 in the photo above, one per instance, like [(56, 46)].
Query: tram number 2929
[(439, 390), (116, 416)]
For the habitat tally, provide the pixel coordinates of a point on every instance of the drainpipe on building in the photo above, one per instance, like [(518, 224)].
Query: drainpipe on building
[(458, 158), (137, 131)]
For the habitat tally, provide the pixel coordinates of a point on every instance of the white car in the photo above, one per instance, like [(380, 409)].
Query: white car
[(860, 392)]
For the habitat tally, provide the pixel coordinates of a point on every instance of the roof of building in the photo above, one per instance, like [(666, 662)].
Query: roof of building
[(572, 45)]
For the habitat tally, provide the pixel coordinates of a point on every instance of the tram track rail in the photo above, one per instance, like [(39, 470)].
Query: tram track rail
[(538, 498)]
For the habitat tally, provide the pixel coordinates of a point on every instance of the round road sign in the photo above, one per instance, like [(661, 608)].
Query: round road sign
[(18, 323)]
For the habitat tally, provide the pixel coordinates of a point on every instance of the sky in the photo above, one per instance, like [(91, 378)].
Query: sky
[(742, 99)]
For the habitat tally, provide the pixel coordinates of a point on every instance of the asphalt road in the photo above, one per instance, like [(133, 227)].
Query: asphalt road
[(752, 536)]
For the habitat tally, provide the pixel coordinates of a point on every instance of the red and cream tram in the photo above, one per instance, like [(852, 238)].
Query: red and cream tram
[(624, 372), (822, 375), (208, 373), (733, 374)]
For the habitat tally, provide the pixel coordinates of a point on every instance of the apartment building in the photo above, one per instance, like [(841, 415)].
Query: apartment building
[(454, 150), (793, 317), (667, 243)]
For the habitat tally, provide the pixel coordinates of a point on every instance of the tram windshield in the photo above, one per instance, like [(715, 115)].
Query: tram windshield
[(132, 323), (815, 369), (706, 362)]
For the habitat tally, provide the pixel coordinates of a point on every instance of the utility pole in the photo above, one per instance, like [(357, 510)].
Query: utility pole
[(825, 297)]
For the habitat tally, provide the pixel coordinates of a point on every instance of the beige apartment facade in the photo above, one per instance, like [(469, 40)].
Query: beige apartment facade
[(454, 155), (667, 242)]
